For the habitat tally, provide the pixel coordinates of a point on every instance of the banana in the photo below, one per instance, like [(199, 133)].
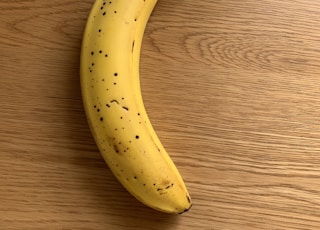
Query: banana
[(111, 93)]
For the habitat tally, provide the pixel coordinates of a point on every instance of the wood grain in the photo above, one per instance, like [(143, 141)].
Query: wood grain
[(232, 88)]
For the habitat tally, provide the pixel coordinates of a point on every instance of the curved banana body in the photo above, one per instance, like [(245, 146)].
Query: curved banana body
[(114, 107)]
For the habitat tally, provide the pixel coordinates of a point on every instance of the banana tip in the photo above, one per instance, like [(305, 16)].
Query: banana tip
[(186, 210)]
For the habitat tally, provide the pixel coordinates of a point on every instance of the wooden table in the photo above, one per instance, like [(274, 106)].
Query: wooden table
[(232, 88)]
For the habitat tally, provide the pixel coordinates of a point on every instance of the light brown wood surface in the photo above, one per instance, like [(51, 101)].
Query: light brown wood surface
[(232, 88)]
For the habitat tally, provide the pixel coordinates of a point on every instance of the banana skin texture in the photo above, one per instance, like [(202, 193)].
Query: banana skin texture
[(110, 86)]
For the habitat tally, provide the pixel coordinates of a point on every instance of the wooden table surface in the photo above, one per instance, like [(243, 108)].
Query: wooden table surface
[(232, 88)]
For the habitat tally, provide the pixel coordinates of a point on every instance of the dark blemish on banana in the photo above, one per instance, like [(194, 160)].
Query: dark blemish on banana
[(135, 177), (92, 53), (104, 13), (101, 118), (137, 137), (159, 189), (94, 106), (114, 83), (184, 211), (114, 101), (132, 46), (100, 51), (115, 74), (98, 110), (188, 198), (144, 184), (108, 105), (125, 108), (154, 184), (115, 11), (99, 30), (115, 147), (106, 55)]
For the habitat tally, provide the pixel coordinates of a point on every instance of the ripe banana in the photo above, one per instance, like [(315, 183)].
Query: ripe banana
[(111, 93)]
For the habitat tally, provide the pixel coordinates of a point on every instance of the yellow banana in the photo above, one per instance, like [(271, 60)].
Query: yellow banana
[(114, 107)]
